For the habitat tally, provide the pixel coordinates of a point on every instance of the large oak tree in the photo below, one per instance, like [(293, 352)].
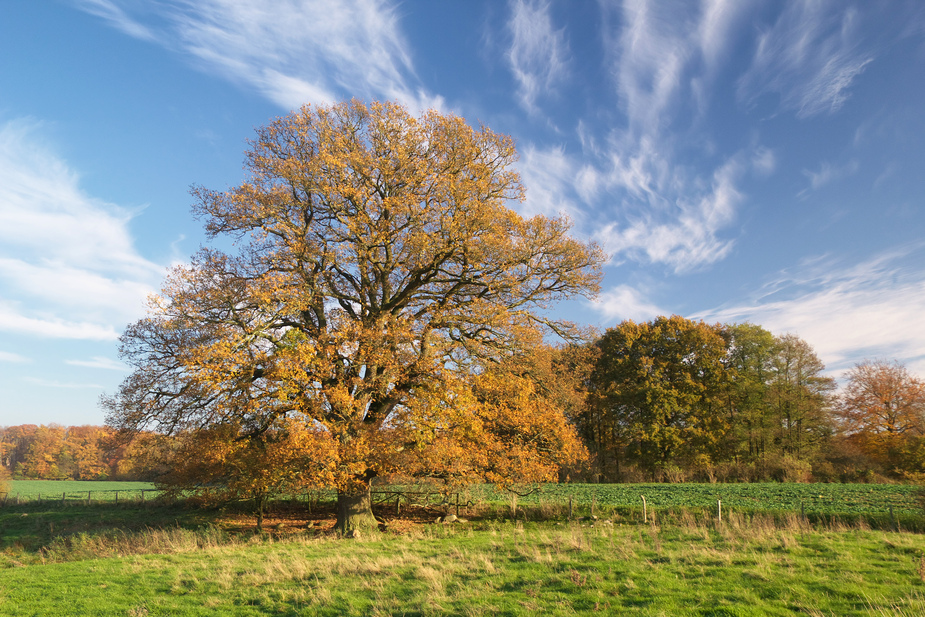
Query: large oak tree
[(377, 284)]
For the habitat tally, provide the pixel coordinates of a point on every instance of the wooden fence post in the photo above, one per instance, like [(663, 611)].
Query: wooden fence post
[(645, 513), (719, 510)]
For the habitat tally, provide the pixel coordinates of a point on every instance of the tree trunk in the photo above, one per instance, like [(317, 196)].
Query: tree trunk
[(261, 501), (354, 512)]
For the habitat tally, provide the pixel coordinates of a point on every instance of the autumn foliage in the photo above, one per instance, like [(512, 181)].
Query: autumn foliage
[(56, 452), (882, 410)]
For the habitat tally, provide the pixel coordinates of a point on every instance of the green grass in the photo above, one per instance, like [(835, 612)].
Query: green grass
[(746, 566), (99, 490), (36, 532)]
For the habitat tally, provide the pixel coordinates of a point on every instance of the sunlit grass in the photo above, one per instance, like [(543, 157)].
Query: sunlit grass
[(743, 566)]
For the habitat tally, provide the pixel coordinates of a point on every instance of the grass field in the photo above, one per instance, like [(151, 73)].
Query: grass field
[(745, 566), (76, 489), (146, 559)]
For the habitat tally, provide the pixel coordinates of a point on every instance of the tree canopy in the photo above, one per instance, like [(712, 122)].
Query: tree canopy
[(379, 282)]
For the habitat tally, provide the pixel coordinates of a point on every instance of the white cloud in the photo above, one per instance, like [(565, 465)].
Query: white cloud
[(51, 326), (50, 383), (99, 362), (292, 51), (809, 57), (764, 162), (554, 182), (68, 265), (538, 56), (847, 313), (8, 356), (625, 302)]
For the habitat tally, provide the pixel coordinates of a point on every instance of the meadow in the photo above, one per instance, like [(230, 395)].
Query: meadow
[(140, 559), (745, 566)]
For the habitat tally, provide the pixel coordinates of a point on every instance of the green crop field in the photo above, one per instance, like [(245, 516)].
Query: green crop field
[(768, 497)]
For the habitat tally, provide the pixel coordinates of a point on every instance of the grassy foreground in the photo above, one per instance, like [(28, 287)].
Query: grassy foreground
[(743, 566)]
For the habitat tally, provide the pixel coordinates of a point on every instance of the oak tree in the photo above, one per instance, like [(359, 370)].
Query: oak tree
[(378, 275)]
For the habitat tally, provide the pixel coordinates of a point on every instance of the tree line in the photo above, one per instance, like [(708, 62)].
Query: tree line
[(671, 399), (676, 399), (55, 452)]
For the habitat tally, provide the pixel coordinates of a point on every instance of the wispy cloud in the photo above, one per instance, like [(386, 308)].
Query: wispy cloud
[(68, 264), (810, 57), (870, 309), (292, 51), (112, 13), (8, 356), (538, 56), (626, 302), (827, 174), (51, 383), (684, 231), (659, 210), (555, 182), (99, 362)]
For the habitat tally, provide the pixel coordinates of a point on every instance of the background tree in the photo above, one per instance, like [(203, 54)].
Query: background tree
[(45, 457), (882, 410), (379, 273), (659, 384), (5, 477), (801, 401), (749, 365)]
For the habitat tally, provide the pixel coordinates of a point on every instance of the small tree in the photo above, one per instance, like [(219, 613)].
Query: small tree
[(379, 276), (882, 410)]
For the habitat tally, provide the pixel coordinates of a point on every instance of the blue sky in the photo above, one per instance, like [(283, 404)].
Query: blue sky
[(739, 160)]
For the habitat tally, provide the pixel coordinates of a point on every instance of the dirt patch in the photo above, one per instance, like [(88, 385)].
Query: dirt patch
[(285, 520)]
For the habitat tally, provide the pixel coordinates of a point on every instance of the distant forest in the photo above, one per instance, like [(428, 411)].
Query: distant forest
[(669, 400)]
